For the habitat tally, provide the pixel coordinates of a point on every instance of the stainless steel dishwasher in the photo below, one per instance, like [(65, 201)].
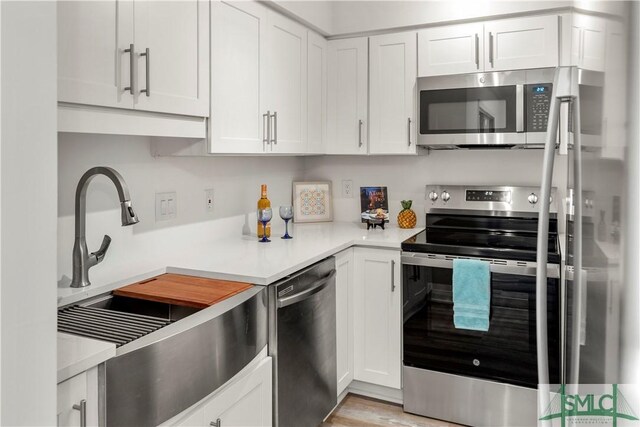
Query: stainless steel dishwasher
[(302, 341)]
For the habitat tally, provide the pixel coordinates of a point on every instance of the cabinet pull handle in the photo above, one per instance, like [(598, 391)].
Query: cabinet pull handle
[(131, 51), (409, 130), (360, 123), (275, 128), (393, 276), (266, 129), (82, 407), (477, 52), (216, 423), (491, 49), (147, 57)]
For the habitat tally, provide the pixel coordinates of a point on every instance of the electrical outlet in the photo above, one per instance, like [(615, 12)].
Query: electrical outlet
[(347, 188), (208, 200), (166, 206)]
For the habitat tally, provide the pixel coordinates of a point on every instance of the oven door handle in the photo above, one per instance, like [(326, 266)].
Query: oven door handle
[(553, 270)]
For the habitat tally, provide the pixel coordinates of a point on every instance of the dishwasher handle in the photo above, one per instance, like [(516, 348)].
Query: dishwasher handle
[(316, 287)]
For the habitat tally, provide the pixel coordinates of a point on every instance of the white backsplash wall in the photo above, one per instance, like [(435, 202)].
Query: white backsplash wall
[(406, 177), (235, 182)]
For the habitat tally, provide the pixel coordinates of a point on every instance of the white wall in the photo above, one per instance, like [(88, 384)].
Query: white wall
[(143, 247), (362, 16), (406, 177), (28, 221)]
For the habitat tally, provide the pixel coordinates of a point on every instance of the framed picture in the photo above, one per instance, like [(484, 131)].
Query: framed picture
[(312, 201), (374, 204)]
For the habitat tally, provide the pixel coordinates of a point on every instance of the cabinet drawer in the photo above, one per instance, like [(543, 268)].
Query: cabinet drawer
[(71, 392)]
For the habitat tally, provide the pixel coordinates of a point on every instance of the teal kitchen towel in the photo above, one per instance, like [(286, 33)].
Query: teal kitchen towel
[(471, 294)]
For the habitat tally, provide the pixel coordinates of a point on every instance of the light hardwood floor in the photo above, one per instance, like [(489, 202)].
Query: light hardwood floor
[(360, 411)]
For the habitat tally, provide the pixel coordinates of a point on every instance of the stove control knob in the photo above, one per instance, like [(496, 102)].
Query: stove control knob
[(433, 196), (445, 196), (533, 199)]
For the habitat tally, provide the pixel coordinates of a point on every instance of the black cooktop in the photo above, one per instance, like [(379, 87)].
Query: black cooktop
[(512, 238)]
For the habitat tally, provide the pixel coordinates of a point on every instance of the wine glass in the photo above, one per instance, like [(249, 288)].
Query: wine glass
[(264, 216), (286, 213)]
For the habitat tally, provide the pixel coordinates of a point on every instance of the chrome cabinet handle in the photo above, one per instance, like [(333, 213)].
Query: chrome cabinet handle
[(131, 51), (409, 130), (491, 49), (274, 140), (147, 57), (477, 52), (393, 276), (360, 133), (266, 129), (82, 407), (216, 423)]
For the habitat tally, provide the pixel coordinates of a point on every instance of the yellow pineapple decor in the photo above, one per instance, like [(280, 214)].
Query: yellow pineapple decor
[(406, 217)]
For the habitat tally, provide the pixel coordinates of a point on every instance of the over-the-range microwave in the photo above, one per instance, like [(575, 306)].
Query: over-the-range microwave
[(506, 109)]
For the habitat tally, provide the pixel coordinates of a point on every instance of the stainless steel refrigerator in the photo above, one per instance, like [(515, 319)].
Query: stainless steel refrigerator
[(595, 163)]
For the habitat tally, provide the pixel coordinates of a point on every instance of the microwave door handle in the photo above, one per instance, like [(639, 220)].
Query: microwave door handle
[(520, 108)]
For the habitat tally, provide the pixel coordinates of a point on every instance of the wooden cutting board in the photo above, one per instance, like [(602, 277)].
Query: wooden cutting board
[(188, 291)]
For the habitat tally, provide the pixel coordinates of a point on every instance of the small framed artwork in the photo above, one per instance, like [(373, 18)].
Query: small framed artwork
[(312, 201), (374, 205)]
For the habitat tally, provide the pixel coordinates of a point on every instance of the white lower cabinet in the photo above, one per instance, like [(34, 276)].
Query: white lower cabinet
[(344, 318), (76, 395), (245, 402), (377, 317)]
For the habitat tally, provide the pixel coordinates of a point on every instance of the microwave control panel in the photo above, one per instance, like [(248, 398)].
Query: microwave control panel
[(538, 101)]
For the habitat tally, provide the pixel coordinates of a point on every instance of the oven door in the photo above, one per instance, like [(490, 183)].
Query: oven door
[(480, 109), (507, 352)]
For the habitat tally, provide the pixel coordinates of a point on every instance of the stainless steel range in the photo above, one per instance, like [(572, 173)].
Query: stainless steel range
[(467, 376)]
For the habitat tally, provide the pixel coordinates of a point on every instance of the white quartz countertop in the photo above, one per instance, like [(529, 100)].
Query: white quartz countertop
[(244, 259), (77, 354)]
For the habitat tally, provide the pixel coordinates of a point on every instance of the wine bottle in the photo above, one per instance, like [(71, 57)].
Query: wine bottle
[(263, 203)]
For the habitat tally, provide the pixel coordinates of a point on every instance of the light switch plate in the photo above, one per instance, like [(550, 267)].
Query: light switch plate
[(208, 200), (166, 206)]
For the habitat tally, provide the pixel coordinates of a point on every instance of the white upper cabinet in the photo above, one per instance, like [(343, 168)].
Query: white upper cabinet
[(392, 93), (454, 49), (316, 93), (96, 65), (588, 41), (238, 82), (92, 65), (174, 76), (512, 44), (377, 317), (287, 84), (348, 96)]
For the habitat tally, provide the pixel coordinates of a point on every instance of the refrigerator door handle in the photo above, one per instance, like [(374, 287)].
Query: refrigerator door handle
[(577, 241), (563, 90)]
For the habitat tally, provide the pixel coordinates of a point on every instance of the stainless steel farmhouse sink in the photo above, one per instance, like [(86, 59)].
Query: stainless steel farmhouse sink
[(168, 357)]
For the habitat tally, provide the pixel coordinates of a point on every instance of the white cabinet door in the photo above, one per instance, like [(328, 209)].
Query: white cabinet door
[(392, 93), (79, 390), (316, 93), (377, 317), (93, 68), (176, 71), (238, 82), (452, 49), (588, 41), (287, 83), (344, 318), (512, 44), (348, 96), (244, 403)]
